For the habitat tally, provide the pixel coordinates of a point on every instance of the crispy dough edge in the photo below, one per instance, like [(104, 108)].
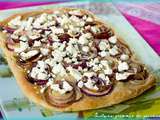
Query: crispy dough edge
[(120, 93)]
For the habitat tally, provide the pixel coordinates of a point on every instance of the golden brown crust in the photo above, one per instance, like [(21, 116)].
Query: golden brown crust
[(122, 91)]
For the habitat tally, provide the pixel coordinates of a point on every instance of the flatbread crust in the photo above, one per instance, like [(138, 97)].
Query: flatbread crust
[(122, 91)]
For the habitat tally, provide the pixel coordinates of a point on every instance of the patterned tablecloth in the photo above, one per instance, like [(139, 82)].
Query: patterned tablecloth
[(143, 16)]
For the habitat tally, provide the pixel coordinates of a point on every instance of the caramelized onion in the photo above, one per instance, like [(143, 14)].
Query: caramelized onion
[(64, 37)]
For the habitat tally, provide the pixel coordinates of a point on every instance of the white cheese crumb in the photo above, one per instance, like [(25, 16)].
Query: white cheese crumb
[(95, 29), (103, 53), (103, 45), (122, 76), (57, 30), (23, 46), (80, 84), (102, 76), (58, 56), (89, 74), (23, 38), (113, 39), (108, 71), (29, 54), (39, 72), (44, 51), (124, 57), (85, 48), (113, 51), (65, 87), (37, 43), (75, 73), (15, 22), (59, 69), (54, 37), (122, 66), (84, 38), (91, 84)]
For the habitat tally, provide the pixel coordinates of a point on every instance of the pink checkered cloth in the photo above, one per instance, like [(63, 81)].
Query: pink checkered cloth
[(145, 18)]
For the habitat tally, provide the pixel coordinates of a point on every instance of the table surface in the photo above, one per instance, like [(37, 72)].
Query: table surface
[(144, 16)]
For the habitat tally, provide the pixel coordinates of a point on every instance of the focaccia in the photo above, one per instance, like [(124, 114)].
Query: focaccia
[(67, 59)]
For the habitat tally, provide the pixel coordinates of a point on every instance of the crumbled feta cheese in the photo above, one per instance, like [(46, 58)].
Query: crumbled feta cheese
[(113, 39), (23, 46), (104, 63), (75, 73), (72, 50), (50, 61), (58, 56), (122, 76), (23, 38), (95, 29), (59, 69), (54, 37), (84, 38), (56, 88), (124, 57), (44, 51), (80, 84), (102, 76), (29, 54), (56, 45), (37, 44), (29, 23), (34, 36), (91, 84), (103, 53), (42, 76), (57, 30), (85, 48), (89, 74), (103, 45), (39, 71), (122, 66), (65, 87), (15, 22), (74, 19), (113, 51), (108, 71), (67, 59)]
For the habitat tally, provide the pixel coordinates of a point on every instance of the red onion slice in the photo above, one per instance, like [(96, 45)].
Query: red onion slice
[(61, 100), (101, 84), (9, 30), (10, 44), (40, 82), (97, 94), (36, 81)]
